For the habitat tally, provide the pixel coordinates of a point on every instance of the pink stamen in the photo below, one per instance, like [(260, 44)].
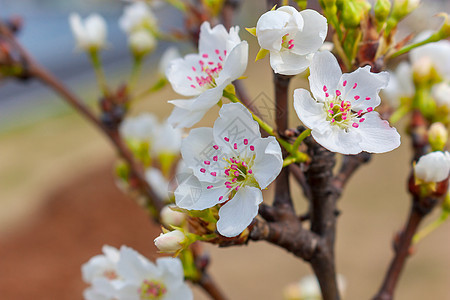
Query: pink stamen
[(252, 148), (360, 112), (355, 85), (344, 118), (356, 97), (331, 105), (327, 95), (228, 186), (225, 52), (205, 55), (237, 187), (210, 62), (220, 198), (236, 173), (234, 167), (192, 86), (209, 187), (226, 139), (202, 170), (215, 158), (214, 174), (194, 69), (341, 109), (244, 164), (369, 109), (356, 125), (361, 120), (201, 62), (227, 172), (367, 98), (330, 111), (290, 47), (344, 83), (333, 120), (220, 58), (235, 146), (217, 51), (250, 171), (189, 78), (325, 88), (338, 92), (245, 142), (234, 180), (216, 147), (207, 162)]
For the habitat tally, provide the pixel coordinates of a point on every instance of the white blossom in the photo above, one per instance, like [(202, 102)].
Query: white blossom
[(137, 16), (231, 163), (400, 84), (222, 58), (342, 116), (292, 37), (433, 167), (441, 94), (89, 34), (142, 42), (144, 280), (139, 128), (170, 242)]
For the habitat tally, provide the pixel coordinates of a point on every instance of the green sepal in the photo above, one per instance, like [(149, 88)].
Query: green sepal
[(261, 54), (252, 31), (230, 89)]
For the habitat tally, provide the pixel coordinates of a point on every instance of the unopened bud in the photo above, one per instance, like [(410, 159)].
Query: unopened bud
[(402, 8), (382, 9), (437, 136), (141, 42), (170, 242), (432, 167), (170, 217)]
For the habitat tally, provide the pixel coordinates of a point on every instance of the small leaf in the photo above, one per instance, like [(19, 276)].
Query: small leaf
[(252, 30), (261, 54), (230, 89)]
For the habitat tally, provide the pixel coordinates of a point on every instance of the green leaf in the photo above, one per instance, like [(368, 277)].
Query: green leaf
[(261, 54)]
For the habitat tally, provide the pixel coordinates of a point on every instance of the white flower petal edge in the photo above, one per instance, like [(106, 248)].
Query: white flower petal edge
[(341, 116), (433, 167), (230, 165), (222, 58), (291, 37), (90, 33)]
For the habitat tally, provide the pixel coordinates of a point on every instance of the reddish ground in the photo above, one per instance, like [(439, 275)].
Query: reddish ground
[(42, 260)]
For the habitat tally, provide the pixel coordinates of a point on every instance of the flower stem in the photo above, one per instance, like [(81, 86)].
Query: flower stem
[(266, 127), (135, 72), (97, 64), (433, 38), (300, 139), (430, 228)]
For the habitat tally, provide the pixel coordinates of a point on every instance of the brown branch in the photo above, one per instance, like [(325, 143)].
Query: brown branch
[(301, 179), (210, 287), (350, 164)]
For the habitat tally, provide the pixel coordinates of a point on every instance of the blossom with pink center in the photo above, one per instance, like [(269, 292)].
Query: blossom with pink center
[(222, 58), (230, 164), (342, 116), (291, 37)]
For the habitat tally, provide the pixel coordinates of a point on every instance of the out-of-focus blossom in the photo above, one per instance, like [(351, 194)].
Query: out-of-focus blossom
[(433, 167), (141, 42), (90, 33), (138, 16), (168, 56)]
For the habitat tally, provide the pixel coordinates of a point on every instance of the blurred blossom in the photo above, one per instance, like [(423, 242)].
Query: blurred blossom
[(433, 167), (437, 136), (139, 128), (441, 93), (170, 217), (291, 37), (342, 116), (168, 56), (170, 242), (137, 16), (101, 266), (400, 84), (222, 58), (167, 139), (229, 169), (157, 182), (308, 288), (141, 42), (90, 34)]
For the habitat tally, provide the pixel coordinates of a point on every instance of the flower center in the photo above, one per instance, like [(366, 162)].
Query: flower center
[(287, 42), (207, 70), (110, 274), (152, 290), (237, 170), (339, 111)]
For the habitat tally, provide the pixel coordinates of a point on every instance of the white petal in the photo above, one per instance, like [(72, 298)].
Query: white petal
[(310, 112), (168, 56), (325, 71), (314, 32), (158, 182), (235, 123), (433, 167), (239, 212), (437, 53), (96, 28), (192, 194), (377, 136), (181, 291), (338, 140), (185, 118), (235, 64), (171, 268), (440, 93), (167, 139), (181, 74), (211, 39), (364, 85), (129, 291), (289, 63), (91, 294), (268, 161), (141, 127), (134, 267), (270, 29), (111, 253)]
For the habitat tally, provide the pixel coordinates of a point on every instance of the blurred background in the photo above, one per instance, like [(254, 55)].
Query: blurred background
[(59, 203)]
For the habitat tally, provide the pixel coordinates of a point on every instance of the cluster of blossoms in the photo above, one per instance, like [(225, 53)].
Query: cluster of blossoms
[(127, 275)]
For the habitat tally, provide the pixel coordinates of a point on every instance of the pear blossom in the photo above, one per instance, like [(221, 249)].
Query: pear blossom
[(170, 242), (230, 164), (222, 58), (137, 16), (292, 37), (141, 42), (342, 116), (158, 182), (89, 34), (433, 167), (139, 128), (170, 217), (144, 280)]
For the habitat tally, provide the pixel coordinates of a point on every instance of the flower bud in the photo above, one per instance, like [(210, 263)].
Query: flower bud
[(351, 14), (141, 43), (432, 167), (170, 242), (437, 136), (89, 34), (404, 7), (423, 69), (382, 9), (170, 217)]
